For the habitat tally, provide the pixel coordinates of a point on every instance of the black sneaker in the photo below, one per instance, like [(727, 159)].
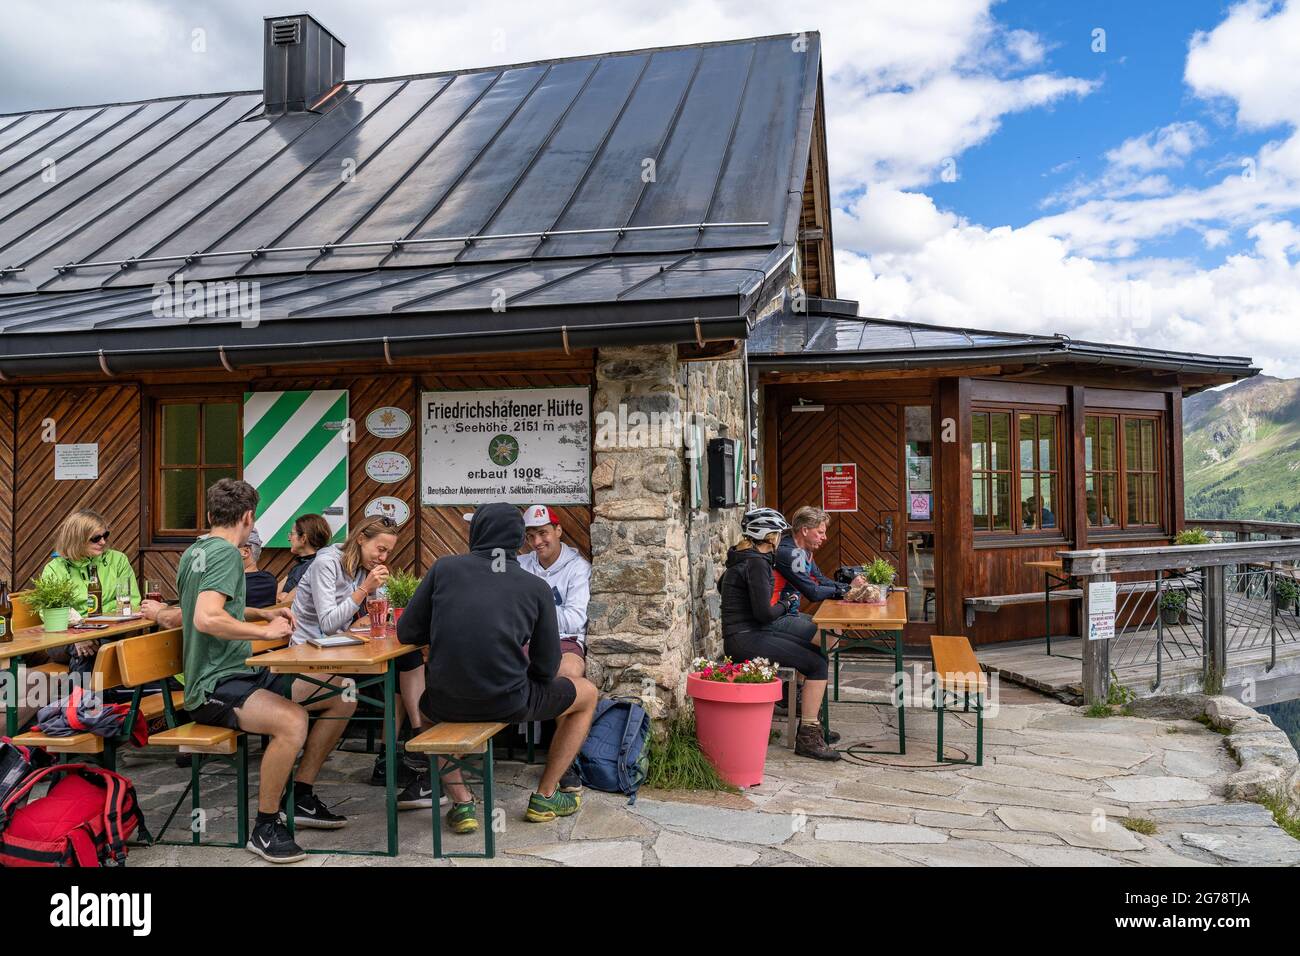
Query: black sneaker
[(274, 843), (418, 795), (406, 774), (311, 814), (571, 782)]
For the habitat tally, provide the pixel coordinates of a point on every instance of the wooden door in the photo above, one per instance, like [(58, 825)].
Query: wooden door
[(868, 436)]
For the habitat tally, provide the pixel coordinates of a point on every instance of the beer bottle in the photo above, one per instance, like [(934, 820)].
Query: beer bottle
[(6, 614), (94, 593)]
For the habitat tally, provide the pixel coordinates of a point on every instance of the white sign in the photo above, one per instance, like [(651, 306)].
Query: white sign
[(76, 462), (387, 506), (510, 445), (1101, 610), (388, 422), (388, 467)]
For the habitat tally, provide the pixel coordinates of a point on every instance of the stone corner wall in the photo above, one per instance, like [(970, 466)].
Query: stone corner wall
[(655, 561)]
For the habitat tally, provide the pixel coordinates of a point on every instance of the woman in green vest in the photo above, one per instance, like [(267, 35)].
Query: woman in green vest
[(80, 543)]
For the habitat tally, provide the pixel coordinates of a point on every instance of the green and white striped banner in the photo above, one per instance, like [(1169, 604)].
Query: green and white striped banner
[(296, 457)]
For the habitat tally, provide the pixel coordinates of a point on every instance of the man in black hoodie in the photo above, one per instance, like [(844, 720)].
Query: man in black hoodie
[(476, 612)]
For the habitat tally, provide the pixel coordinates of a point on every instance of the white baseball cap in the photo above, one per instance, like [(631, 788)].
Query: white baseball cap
[(535, 516)]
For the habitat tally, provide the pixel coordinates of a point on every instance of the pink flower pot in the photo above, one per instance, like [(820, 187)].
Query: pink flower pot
[(733, 723)]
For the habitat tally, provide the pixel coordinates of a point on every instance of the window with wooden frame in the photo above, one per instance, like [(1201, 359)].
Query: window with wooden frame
[(196, 442), (1016, 493), (1122, 471)]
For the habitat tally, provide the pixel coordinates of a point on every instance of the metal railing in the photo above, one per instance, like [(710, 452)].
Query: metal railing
[(1239, 597)]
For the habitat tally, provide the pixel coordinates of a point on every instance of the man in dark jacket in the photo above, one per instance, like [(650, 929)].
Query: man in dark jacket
[(476, 612), (798, 572)]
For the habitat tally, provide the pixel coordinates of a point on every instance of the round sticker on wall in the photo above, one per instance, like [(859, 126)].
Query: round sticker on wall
[(388, 467), (388, 422), (389, 507)]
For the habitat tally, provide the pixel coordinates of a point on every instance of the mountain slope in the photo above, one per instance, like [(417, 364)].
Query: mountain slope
[(1241, 451)]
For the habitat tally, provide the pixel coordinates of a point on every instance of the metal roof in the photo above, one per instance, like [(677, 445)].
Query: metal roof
[(578, 180), (830, 335)]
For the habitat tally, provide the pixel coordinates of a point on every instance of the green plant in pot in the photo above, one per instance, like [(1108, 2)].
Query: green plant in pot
[(401, 588), (52, 598), (1285, 592), (1192, 536), (1172, 605)]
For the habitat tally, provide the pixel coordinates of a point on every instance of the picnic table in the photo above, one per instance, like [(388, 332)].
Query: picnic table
[(1054, 579), (371, 662), (883, 626), (31, 640)]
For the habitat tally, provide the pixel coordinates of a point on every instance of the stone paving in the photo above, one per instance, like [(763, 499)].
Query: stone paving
[(1054, 791)]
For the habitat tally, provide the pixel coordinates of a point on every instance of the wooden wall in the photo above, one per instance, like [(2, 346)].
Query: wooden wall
[(8, 444)]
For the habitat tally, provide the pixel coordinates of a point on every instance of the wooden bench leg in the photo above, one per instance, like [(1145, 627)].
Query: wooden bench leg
[(241, 789), (939, 701), (435, 777), (486, 775), (489, 834), (979, 730)]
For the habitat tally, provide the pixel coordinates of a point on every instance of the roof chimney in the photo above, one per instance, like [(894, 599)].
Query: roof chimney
[(302, 61)]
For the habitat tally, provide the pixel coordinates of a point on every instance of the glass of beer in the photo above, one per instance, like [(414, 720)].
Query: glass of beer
[(377, 608), (152, 590)]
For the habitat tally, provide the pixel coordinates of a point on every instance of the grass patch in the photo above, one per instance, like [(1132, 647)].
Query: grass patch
[(1139, 825), (1098, 710), (677, 763), (1283, 815)]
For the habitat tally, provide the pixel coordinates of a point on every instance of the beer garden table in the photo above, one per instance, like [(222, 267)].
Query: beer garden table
[(884, 623), (1054, 579)]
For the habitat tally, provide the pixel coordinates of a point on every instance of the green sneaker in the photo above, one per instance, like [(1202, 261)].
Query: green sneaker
[(545, 809), (461, 818)]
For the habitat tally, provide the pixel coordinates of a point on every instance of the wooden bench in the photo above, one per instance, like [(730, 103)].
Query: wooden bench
[(469, 748), (156, 657), (992, 603), (106, 676), (957, 671)]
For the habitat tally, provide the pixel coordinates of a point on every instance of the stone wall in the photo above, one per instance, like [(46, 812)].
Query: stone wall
[(654, 561)]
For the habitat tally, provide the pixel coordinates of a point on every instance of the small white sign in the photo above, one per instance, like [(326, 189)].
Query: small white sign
[(76, 462), (388, 467), (1101, 610), (388, 422), (387, 506)]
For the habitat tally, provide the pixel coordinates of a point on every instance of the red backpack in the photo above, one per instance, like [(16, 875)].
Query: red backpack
[(84, 820)]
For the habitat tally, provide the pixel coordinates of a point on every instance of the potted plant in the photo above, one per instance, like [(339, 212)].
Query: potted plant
[(401, 587), (1285, 591), (1192, 536), (52, 598), (876, 580), (733, 715), (1172, 604)]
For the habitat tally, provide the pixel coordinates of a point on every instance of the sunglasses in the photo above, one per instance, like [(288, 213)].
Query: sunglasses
[(96, 538)]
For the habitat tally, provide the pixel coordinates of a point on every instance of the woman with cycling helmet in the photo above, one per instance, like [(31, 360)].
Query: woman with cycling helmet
[(754, 626)]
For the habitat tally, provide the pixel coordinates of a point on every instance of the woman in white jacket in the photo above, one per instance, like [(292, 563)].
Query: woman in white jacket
[(333, 594)]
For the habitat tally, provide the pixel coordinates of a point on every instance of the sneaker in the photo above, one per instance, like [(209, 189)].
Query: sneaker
[(545, 809), (461, 819), (808, 742), (418, 795), (571, 782), (311, 814), (274, 843), (406, 774)]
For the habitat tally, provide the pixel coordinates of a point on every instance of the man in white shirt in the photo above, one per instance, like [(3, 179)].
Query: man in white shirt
[(569, 577)]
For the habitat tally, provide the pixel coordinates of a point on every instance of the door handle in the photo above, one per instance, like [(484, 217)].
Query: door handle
[(888, 528)]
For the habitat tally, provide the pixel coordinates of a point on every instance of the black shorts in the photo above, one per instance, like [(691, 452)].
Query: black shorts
[(219, 709), (546, 701)]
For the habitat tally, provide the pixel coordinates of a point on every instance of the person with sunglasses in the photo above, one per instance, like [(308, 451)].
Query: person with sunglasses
[(308, 535), (80, 543)]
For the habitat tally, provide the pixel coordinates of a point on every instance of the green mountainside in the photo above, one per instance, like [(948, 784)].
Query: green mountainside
[(1241, 451)]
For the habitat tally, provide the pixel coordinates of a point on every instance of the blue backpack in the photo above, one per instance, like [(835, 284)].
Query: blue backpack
[(614, 756)]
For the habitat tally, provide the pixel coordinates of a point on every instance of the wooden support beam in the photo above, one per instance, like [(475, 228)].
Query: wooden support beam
[(874, 375), (709, 351)]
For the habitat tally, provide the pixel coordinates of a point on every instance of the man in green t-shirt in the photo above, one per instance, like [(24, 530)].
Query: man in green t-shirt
[(221, 689)]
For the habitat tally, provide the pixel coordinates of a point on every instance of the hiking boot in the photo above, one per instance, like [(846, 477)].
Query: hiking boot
[(274, 843), (311, 814), (461, 819), (406, 774), (571, 782), (418, 794), (808, 742), (545, 809)]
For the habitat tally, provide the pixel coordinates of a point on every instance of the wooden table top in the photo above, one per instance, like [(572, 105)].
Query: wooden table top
[(1058, 565), (876, 617), (372, 657), (29, 640)]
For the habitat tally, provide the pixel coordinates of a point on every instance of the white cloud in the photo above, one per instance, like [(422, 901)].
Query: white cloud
[(1251, 57), (1159, 149)]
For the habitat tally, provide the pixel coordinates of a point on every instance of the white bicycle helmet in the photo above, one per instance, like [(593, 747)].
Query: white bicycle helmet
[(761, 522)]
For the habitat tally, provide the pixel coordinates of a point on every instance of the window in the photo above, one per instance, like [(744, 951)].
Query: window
[(1126, 471), (1032, 475), (196, 443)]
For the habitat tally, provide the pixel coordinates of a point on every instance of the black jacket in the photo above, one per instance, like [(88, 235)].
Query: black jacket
[(810, 582), (746, 587), (476, 612)]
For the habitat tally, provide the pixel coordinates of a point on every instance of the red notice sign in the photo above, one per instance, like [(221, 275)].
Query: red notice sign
[(840, 487)]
